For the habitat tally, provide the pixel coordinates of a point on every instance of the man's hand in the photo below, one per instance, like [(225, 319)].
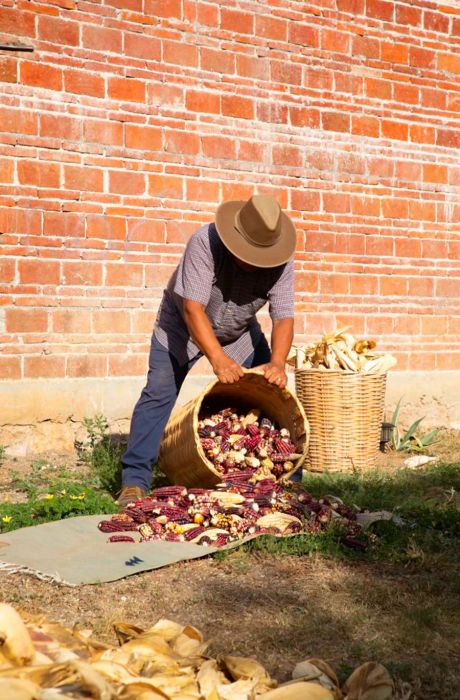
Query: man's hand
[(275, 373), (226, 370)]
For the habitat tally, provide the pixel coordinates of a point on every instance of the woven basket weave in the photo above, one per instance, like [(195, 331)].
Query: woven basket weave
[(181, 456), (345, 412)]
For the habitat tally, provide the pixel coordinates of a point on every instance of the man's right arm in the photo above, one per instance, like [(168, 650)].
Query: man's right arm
[(227, 370)]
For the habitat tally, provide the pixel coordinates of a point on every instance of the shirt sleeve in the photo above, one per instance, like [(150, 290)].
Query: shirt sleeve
[(281, 295), (195, 273)]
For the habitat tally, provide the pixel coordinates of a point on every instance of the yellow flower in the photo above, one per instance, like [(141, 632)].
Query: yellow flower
[(6, 519), (49, 497), (80, 497), (63, 492)]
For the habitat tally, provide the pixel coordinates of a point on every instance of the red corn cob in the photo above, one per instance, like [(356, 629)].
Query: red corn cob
[(240, 443), (253, 430), (220, 540), (207, 443), (252, 442), (165, 492), (174, 537), (283, 446), (193, 532), (121, 538), (116, 526)]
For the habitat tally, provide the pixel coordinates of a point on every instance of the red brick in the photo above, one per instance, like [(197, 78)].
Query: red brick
[(181, 142), (435, 250), (331, 283), (142, 46), (236, 106), (15, 220), (202, 190), (17, 23), (318, 79), (126, 182), (395, 208), (6, 171), (406, 94), (365, 206), (163, 8), (305, 200), (40, 75), (86, 366), (435, 173), (7, 270), (128, 365), (39, 271), (166, 186), (335, 41), (82, 273), (304, 116), (434, 325), (436, 21), (408, 15), (10, 367), (44, 366), (102, 39), (218, 147), (336, 121), (307, 282), (235, 21), (217, 61), (63, 224), (126, 90), (105, 321), (380, 9), (251, 151), (408, 171), (420, 133), (103, 131), (148, 230), (338, 203), (142, 321), (422, 211), (198, 101), (285, 154), (421, 58), (381, 246), (85, 179), (106, 227), (365, 46), (395, 130), (60, 126), (408, 248), (143, 138), (393, 286), (363, 285), (365, 126), (180, 54), (395, 53), (283, 72), (8, 70), (378, 88), (448, 288), (26, 320), (39, 173), (58, 31), (449, 139), (250, 67), (124, 275), (449, 62), (354, 7), (71, 321), (271, 28), (84, 83)]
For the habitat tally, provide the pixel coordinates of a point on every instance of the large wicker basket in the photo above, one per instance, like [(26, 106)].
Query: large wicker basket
[(181, 456), (345, 412)]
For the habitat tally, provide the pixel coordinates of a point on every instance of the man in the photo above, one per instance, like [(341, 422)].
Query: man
[(228, 271)]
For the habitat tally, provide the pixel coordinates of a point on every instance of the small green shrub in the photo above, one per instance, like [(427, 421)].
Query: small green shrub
[(410, 441), (102, 453)]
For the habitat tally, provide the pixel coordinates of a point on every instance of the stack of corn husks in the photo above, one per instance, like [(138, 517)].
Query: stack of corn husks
[(42, 660), (341, 350)]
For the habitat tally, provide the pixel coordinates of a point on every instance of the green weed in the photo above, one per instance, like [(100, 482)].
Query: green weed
[(102, 453), (411, 440)]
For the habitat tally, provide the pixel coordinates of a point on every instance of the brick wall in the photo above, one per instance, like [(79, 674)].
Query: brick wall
[(132, 119)]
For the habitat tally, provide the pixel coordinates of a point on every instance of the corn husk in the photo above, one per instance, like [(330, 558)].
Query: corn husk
[(15, 641), (18, 689), (316, 670), (370, 681), (340, 350), (298, 691), (279, 520)]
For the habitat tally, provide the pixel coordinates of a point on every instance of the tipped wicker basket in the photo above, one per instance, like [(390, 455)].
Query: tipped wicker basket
[(181, 456), (345, 412)]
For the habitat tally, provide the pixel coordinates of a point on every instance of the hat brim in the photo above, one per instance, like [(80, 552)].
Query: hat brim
[(259, 256)]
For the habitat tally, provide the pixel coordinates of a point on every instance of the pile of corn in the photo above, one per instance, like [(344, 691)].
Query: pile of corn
[(250, 443), (236, 509), (340, 350), (42, 660)]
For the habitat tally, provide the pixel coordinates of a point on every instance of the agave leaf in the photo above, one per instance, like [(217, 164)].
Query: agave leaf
[(412, 430), (429, 438), (394, 418)]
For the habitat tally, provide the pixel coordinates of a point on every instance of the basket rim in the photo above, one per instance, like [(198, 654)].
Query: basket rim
[(211, 385), (339, 372)]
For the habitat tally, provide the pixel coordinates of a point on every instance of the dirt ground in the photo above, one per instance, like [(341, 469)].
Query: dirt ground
[(282, 609)]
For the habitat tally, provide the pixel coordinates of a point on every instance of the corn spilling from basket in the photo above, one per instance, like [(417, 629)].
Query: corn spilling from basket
[(341, 350), (234, 510), (43, 660)]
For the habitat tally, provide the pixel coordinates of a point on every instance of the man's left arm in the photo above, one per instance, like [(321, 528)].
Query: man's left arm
[(281, 308)]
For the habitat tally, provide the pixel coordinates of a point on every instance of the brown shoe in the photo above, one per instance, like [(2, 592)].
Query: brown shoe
[(129, 495)]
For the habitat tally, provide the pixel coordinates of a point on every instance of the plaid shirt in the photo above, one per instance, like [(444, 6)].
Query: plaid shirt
[(208, 274)]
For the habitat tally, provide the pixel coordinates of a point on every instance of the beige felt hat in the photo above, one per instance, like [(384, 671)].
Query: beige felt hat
[(257, 232)]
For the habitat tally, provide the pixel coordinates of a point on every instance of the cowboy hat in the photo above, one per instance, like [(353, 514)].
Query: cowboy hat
[(257, 231)]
